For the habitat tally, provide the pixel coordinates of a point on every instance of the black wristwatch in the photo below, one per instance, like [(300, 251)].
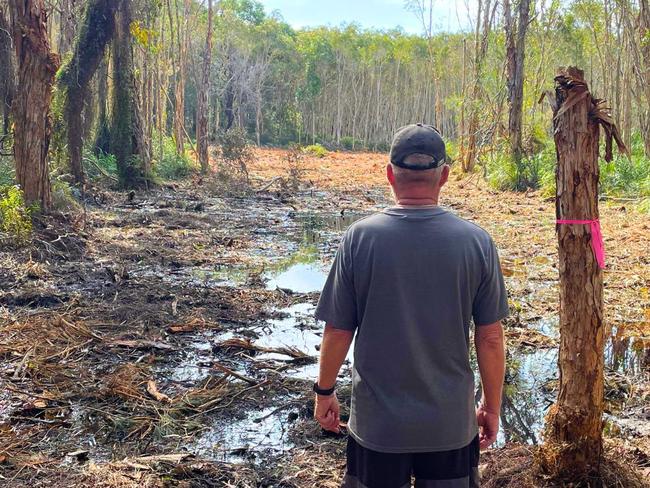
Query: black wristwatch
[(320, 391)]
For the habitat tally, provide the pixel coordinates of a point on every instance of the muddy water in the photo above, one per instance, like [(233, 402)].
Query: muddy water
[(301, 269)]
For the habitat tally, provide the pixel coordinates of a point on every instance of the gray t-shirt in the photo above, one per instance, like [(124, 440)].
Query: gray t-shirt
[(409, 281)]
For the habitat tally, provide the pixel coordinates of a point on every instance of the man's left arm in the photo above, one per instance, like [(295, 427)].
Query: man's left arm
[(334, 349)]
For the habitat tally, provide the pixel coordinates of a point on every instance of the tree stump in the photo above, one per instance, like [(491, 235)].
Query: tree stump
[(574, 424)]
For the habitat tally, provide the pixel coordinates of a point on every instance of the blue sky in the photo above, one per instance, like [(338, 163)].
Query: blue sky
[(450, 15)]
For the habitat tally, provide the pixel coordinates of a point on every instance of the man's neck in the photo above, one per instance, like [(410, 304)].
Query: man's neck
[(417, 202)]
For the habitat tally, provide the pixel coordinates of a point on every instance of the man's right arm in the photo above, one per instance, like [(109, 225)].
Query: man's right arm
[(490, 353)]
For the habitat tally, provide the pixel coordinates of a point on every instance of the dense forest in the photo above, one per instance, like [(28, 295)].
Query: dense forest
[(150, 85), (176, 177)]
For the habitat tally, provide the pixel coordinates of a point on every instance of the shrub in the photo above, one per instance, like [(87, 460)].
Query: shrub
[(7, 173), (350, 143), (316, 150), (15, 216), (234, 154), (100, 165), (63, 197), (295, 170), (625, 176), (534, 171), (167, 164)]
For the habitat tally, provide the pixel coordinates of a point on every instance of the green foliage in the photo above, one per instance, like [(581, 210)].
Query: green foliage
[(533, 171), (625, 176), (7, 172), (316, 150), (98, 165), (167, 164), (63, 198), (15, 216), (349, 143)]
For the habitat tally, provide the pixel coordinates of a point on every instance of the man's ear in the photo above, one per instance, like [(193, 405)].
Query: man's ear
[(389, 174), (444, 176)]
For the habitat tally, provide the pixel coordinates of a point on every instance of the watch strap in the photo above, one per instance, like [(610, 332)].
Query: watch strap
[(323, 392)]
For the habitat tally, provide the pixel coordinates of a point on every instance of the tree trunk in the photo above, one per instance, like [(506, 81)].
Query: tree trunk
[(31, 105), (574, 424), (202, 102), (126, 130), (96, 32), (7, 72), (102, 137), (644, 35)]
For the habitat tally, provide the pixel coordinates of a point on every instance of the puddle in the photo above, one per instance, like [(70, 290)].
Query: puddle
[(259, 430), (309, 247), (299, 278), (527, 396)]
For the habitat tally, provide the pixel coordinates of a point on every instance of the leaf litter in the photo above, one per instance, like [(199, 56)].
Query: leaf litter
[(150, 344)]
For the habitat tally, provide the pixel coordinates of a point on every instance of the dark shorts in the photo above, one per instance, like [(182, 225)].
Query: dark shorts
[(444, 469)]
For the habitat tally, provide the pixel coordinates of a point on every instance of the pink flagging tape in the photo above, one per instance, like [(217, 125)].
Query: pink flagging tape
[(596, 238)]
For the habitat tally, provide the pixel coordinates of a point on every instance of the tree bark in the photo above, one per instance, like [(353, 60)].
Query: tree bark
[(126, 129), (7, 71), (203, 96), (96, 32), (31, 105), (574, 424), (515, 52)]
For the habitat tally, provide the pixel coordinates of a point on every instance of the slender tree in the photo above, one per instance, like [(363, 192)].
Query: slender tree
[(126, 128), (7, 71), (515, 53), (202, 110), (31, 106), (97, 29)]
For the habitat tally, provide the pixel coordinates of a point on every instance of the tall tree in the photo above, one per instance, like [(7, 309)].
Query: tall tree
[(483, 26), (31, 106), (126, 128), (515, 53), (202, 110), (7, 71), (97, 29)]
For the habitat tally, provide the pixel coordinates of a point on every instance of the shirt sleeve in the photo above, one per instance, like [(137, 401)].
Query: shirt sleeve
[(337, 305), (491, 301)]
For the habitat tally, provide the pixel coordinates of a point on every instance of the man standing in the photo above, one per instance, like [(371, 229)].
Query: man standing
[(408, 281)]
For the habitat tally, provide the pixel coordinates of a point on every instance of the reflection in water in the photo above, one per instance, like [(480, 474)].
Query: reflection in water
[(627, 353), (304, 270), (299, 278), (527, 395)]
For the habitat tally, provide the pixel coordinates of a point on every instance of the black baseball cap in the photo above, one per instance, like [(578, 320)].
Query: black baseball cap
[(418, 139)]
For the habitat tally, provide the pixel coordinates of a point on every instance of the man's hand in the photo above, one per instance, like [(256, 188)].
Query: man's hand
[(326, 412), (488, 426)]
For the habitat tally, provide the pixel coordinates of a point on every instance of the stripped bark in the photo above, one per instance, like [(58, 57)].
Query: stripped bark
[(574, 424), (31, 105)]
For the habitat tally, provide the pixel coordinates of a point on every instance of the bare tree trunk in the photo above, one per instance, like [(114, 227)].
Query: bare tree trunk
[(480, 50), (644, 35), (515, 52), (574, 424), (203, 95), (7, 71), (31, 106), (96, 32)]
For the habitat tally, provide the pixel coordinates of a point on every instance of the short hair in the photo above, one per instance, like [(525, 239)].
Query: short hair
[(421, 176)]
